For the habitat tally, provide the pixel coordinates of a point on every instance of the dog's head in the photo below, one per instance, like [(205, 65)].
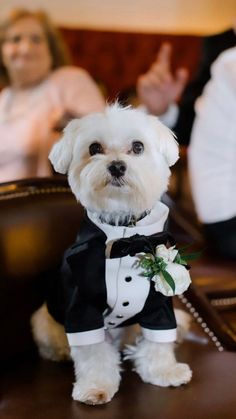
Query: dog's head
[(117, 161)]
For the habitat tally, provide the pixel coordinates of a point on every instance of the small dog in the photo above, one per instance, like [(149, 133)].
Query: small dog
[(118, 168)]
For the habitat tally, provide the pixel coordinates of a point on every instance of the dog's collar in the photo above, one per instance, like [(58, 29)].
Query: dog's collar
[(121, 219), (150, 223), (128, 220)]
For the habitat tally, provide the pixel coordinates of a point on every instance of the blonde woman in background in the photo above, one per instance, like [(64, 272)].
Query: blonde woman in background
[(41, 92)]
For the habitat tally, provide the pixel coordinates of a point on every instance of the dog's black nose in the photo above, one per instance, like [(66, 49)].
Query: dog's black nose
[(117, 168)]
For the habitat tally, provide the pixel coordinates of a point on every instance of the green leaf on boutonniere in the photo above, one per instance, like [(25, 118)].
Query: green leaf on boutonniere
[(169, 280), (180, 260), (152, 265), (192, 256), (159, 268), (183, 259)]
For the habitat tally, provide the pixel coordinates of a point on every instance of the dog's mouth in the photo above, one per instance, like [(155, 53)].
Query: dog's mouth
[(118, 182)]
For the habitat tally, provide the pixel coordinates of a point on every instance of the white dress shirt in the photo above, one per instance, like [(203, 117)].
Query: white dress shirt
[(212, 151)]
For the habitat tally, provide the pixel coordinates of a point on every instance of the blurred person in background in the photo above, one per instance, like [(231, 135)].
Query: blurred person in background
[(42, 93), (207, 109), (212, 156), (169, 95)]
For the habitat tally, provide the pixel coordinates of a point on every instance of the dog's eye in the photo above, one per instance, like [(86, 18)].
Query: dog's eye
[(95, 148), (137, 147)]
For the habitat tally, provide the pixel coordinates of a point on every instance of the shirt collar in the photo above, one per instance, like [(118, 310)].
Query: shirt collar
[(152, 223)]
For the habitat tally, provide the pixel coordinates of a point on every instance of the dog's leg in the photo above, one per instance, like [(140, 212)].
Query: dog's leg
[(49, 336), (97, 373), (156, 364), (183, 320)]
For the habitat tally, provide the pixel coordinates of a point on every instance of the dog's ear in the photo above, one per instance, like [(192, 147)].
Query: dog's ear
[(166, 141), (61, 153)]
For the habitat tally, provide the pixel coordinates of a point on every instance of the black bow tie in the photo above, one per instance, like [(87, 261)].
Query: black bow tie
[(139, 243)]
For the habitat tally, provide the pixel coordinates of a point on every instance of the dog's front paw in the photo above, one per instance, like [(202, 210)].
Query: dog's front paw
[(97, 372), (174, 375), (156, 364), (93, 394)]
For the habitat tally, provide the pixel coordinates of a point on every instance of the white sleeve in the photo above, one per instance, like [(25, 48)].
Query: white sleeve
[(169, 118), (211, 154)]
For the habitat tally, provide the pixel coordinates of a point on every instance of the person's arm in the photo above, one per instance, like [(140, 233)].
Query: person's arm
[(79, 93)]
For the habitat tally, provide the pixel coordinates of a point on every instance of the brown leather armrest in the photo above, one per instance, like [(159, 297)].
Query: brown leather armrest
[(215, 312), (39, 219)]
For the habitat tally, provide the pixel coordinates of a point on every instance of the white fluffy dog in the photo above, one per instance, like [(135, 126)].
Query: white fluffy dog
[(118, 168)]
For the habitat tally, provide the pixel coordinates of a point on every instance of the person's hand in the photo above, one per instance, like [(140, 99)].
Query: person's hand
[(159, 87)]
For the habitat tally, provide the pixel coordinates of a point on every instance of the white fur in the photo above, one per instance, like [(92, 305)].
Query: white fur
[(97, 373), (97, 367), (61, 153), (183, 321), (147, 174), (156, 364)]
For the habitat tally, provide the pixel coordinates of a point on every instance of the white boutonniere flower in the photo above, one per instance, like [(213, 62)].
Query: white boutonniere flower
[(180, 276), (167, 254), (167, 268)]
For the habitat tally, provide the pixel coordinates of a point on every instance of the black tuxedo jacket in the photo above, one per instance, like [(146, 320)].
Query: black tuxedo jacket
[(79, 299)]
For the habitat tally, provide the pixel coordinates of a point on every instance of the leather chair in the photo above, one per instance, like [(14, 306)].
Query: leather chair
[(39, 218)]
